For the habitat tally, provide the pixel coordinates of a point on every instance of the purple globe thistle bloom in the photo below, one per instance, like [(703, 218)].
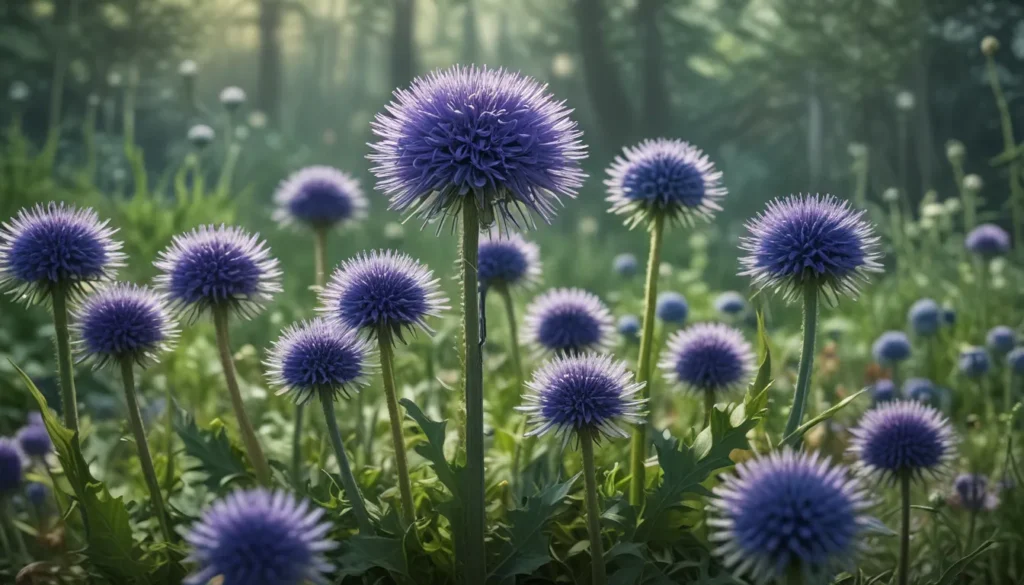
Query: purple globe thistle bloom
[(37, 494), (123, 322), (1001, 339), (321, 197), (788, 511), (34, 440), (56, 246), (924, 317), (971, 492), (1015, 359), (671, 307), (586, 393), (625, 265), (258, 537), (629, 327), (730, 303), (891, 348), (974, 362), (664, 177), (494, 135), (569, 321), (708, 357), (382, 291), (201, 136), (213, 268), (921, 390), (810, 240), (507, 261), (902, 438), (988, 240), (319, 358), (883, 391), (11, 466)]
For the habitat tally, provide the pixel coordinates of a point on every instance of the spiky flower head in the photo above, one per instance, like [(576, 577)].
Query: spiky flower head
[(232, 97), (259, 537), (201, 135), (786, 513), (708, 357), (921, 390), (320, 197), (585, 393), (663, 177), (902, 438), (974, 362), (12, 464), (508, 261), (382, 292), (925, 317), (319, 358), (810, 240), (34, 440), (730, 303), (629, 327), (56, 246), (1001, 339), (1015, 360), (217, 268), (882, 391), (123, 322), (489, 134), (568, 321), (971, 492), (626, 265), (891, 348), (988, 241)]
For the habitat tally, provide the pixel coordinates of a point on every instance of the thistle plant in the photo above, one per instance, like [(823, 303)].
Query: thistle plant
[(731, 304), (672, 308), (11, 475), (568, 321), (891, 349), (989, 48)]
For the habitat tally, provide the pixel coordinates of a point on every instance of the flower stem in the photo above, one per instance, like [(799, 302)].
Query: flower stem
[(709, 405), (1009, 145), (803, 379), (387, 360), (517, 365), (8, 525), (475, 560), (65, 366), (348, 481), (169, 408), (252, 444), (971, 522), (638, 447), (600, 576), (142, 445), (319, 262), (904, 568)]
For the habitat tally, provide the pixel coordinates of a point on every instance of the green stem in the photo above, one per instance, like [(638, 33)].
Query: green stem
[(5, 543), (904, 567), (971, 522), (387, 360), (600, 576), (169, 409), (709, 406), (319, 262), (1008, 389), (348, 481), (803, 379), (227, 172), (1009, 145), (252, 444), (142, 445), (131, 87), (517, 364), (638, 446), (65, 365), (8, 524), (475, 561)]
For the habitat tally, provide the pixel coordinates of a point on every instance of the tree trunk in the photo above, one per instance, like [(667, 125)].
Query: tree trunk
[(612, 111), (656, 110), (268, 88), (403, 58)]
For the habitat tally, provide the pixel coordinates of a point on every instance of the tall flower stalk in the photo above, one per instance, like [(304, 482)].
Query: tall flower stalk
[(474, 380), (989, 47)]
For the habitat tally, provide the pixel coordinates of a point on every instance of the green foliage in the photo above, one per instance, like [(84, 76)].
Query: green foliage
[(524, 545), (216, 457)]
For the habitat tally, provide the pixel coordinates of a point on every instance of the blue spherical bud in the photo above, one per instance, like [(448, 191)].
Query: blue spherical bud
[(730, 303), (672, 308), (1001, 339), (924, 317), (11, 467), (974, 362), (988, 240), (123, 322), (883, 391), (626, 265), (891, 348), (629, 327)]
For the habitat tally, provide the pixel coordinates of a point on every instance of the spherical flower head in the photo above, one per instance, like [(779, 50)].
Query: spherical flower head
[(921, 390), (382, 292), (905, 101), (232, 97), (188, 68), (34, 440), (319, 358), (971, 492), (664, 177), (625, 265), (974, 362), (949, 316), (730, 303), (989, 45), (585, 393), (973, 183), (955, 151), (568, 321), (19, 92), (201, 135), (11, 466), (988, 241), (891, 348), (883, 391), (258, 537), (123, 322), (786, 512), (1015, 361), (56, 246), (810, 240), (489, 134), (37, 494), (217, 268), (320, 197), (1001, 339), (629, 327), (507, 260), (708, 357), (902, 438), (925, 317), (671, 307)]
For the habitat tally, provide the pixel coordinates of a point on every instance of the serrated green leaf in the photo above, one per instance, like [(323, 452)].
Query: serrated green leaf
[(756, 399), (212, 449), (361, 553), (433, 449), (802, 429), (526, 548)]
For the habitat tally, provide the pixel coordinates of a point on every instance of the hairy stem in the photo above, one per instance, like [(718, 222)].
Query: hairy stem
[(65, 365), (517, 365), (348, 481), (599, 576), (475, 561), (709, 405), (803, 378), (387, 361)]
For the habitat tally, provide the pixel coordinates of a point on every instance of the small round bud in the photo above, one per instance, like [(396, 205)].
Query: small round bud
[(588, 226), (394, 231), (955, 151), (114, 79), (905, 101), (973, 183), (857, 150), (989, 45), (257, 119), (232, 97), (201, 135), (952, 206), (891, 195), (19, 92), (188, 68)]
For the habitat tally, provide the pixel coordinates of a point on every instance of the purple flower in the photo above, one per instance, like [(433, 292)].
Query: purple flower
[(708, 357), (34, 440), (569, 321), (1015, 359), (883, 390), (625, 265), (1001, 339), (921, 390), (971, 492), (891, 348), (123, 322), (671, 307), (902, 438), (924, 317), (730, 303), (974, 362), (319, 358), (988, 240), (319, 196), (507, 261), (11, 466), (629, 327)]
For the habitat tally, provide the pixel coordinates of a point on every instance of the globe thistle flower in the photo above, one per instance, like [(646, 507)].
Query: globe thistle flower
[(625, 265), (988, 241), (883, 391), (507, 261), (201, 135), (11, 466), (1015, 360), (708, 358), (664, 177), (920, 390), (188, 68), (53, 247), (34, 441), (810, 240), (569, 321), (924, 317), (891, 348), (320, 197), (902, 439), (123, 322), (18, 92), (213, 268), (1001, 339), (316, 358), (232, 97), (971, 492), (785, 512), (974, 362), (629, 327), (671, 307), (37, 494), (949, 316), (489, 134), (585, 393), (730, 303), (383, 291), (258, 537)]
